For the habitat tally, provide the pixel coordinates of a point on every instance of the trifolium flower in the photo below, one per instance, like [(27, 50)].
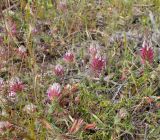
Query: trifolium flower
[(146, 53), (54, 91), (69, 57), (97, 63), (59, 70), (16, 85)]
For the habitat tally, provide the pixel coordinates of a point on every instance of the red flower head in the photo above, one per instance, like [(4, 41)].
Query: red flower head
[(54, 91), (146, 52), (16, 85), (97, 63), (69, 57)]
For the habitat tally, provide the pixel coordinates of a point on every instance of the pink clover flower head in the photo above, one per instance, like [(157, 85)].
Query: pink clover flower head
[(69, 57), (16, 85), (54, 91), (59, 70), (146, 53), (97, 63)]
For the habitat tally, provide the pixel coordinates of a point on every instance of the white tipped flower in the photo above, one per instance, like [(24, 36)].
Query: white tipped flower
[(54, 91), (16, 85), (59, 70), (69, 57), (97, 63), (146, 52)]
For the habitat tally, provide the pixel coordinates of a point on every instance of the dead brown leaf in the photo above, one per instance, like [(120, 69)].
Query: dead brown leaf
[(90, 126), (76, 126)]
